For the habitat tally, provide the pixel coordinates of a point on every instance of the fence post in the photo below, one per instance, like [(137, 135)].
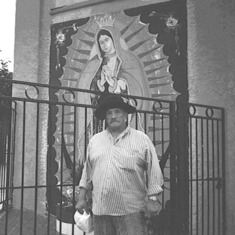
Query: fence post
[(182, 143), (173, 169)]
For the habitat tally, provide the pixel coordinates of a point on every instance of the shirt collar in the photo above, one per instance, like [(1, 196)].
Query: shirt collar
[(121, 135)]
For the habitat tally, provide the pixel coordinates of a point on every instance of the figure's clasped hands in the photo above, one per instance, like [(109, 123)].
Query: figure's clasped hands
[(106, 75)]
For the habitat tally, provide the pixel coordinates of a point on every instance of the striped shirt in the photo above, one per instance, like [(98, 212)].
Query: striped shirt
[(122, 172)]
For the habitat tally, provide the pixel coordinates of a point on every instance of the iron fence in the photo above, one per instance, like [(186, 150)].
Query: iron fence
[(7, 130), (53, 128), (206, 170)]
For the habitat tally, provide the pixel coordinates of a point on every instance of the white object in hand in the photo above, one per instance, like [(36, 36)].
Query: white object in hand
[(84, 221)]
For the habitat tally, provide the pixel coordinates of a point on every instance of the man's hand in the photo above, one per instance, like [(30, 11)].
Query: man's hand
[(152, 208), (82, 203)]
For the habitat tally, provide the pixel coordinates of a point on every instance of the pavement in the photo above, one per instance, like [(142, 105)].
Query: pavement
[(15, 222)]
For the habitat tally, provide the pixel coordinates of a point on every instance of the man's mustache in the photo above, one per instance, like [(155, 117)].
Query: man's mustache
[(113, 120)]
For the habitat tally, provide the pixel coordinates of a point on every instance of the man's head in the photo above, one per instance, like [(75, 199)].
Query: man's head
[(113, 109), (116, 119)]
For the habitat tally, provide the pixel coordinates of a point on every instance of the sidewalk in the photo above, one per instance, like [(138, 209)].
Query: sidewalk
[(44, 226)]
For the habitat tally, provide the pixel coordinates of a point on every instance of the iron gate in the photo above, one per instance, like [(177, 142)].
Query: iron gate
[(7, 124), (206, 170), (52, 131)]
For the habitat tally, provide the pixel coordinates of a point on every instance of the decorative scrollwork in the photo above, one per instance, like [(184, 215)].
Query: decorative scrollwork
[(203, 111), (209, 112), (157, 106), (32, 90), (133, 102), (192, 110), (68, 96)]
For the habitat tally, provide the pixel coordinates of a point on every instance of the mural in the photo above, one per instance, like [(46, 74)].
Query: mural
[(134, 52)]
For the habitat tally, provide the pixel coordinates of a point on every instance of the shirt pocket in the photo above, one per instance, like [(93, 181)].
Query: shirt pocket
[(142, 163), (133, 161)]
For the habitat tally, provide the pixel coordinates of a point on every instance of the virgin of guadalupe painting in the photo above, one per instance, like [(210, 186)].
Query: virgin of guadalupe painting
[(112, 67)]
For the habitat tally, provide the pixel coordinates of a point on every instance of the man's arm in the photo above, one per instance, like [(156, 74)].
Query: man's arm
[(154, 173), (155, 180), (82, 204), (84, 186)]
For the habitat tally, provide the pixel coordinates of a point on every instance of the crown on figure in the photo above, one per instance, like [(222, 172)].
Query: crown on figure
[(105, 20)]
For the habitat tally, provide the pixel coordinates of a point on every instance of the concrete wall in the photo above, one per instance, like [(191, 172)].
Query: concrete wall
[(74, 9), (211, 73), (31, 63), (211, 59)]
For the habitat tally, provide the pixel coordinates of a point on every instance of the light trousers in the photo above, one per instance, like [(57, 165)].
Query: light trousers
[(131, 224)]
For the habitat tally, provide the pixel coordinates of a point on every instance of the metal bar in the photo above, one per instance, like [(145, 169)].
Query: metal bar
[(7, 174), (13, 145), (208, 175), (154, 126), (3, 154), (145, 122), (223, 172), (202, 172), (136, 121), (219, 187), (191, 172), (173, 173), (55, 87), (74, 162), (213, 175), (162, 133), (205, 106), (71, 104), (36, 170), (162, 153), (196, 145), (85, 140), (49, 180), (61, 167), (22, 168)]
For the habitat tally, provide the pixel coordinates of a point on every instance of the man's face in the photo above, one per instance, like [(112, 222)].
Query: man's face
[(116, 119)]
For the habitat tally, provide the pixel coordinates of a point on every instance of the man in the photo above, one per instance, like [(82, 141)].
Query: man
[(122, 168)]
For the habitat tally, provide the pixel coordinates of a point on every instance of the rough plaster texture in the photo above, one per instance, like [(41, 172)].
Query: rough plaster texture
[(80, 8), (32, 43), (61, 3), (211, 73), (211, 67)]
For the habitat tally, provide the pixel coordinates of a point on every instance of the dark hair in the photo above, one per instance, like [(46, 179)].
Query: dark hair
[(100, 33)]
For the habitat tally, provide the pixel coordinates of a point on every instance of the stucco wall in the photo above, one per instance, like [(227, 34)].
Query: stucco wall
[(74, 9), (31, 63), (211, 73)]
